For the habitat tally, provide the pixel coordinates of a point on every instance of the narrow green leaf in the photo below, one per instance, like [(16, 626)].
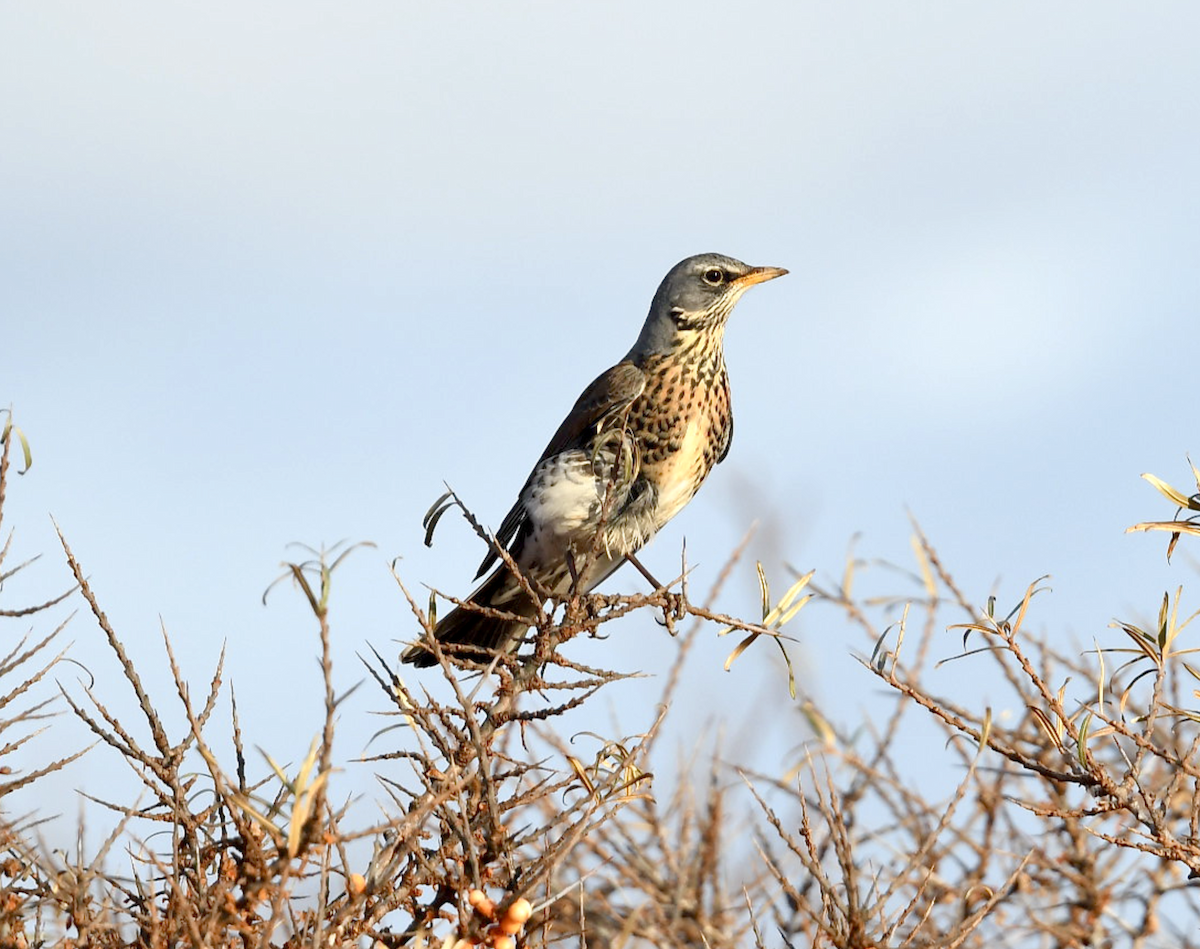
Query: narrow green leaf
[(794, 590), (1165, 489), (739, 649), (766, 593), (787, 661), (796, 607)]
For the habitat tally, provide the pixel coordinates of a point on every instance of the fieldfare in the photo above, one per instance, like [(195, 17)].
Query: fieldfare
[(631, 453)]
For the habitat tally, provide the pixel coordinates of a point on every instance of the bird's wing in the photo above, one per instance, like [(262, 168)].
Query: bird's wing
[(728, 442), (728, 428), (611, 392)]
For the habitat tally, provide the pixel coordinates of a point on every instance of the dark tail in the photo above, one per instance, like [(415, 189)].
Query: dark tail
[(484, 634)]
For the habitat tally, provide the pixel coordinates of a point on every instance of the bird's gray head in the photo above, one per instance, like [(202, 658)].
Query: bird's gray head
[(696, 296)]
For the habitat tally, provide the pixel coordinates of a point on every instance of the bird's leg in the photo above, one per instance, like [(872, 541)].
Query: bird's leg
[(573, 571), (644, 572), (675, 606), (574, 608)]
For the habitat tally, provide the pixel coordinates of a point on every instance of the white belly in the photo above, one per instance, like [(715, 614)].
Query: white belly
[(563, 496)]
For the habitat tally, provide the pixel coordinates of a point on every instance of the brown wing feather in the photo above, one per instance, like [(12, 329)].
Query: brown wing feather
[(609, 392)]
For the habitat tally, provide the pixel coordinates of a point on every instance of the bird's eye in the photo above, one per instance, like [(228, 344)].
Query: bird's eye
[(714, 277)]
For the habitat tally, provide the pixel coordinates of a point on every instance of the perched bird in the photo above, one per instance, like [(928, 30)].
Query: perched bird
[(631, 453)]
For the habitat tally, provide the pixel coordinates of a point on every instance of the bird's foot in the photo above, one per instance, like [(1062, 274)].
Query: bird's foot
[(593, 608), (674, 608)]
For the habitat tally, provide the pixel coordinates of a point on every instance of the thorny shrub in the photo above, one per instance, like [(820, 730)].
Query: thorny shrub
[(1070, 822)]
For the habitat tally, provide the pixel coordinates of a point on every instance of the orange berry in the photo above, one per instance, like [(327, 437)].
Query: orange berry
[(356, 883), (520, 911), (503, 942), (483, 906), (516, 916)]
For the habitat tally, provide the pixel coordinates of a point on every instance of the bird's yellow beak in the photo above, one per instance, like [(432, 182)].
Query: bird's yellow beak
[(758, 275)]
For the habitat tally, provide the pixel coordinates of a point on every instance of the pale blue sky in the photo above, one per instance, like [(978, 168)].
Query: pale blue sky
[(273, 272)]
